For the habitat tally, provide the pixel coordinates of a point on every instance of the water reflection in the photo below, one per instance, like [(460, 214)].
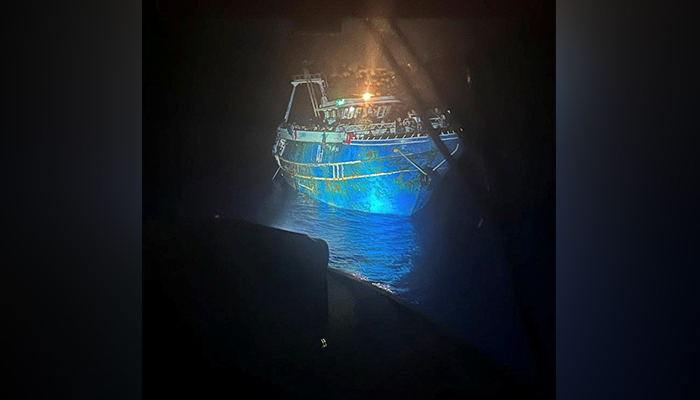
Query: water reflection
[(378, 248)]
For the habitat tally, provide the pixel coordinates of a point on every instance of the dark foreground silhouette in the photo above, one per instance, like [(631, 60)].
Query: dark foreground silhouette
[(231, 307)]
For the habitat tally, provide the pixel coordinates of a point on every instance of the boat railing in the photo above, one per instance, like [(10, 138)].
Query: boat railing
[(402, 135), (372, 131), (381, 126)]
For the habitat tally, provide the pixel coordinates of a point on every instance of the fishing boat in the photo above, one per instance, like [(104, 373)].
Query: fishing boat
[(358, 152)]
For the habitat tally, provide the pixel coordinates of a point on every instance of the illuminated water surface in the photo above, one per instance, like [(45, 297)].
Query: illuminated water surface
[(378, 248)]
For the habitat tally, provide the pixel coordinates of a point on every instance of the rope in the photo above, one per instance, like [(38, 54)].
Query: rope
[(412, 163), (443, 161)]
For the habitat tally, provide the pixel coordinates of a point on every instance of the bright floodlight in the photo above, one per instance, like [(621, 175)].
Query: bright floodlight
[(366, 96)]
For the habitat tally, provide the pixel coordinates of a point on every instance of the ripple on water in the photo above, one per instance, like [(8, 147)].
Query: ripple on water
[(379, 248)]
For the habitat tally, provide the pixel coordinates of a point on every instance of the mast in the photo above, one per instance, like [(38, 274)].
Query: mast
[(312, 93), (289, 107), (309, 80)]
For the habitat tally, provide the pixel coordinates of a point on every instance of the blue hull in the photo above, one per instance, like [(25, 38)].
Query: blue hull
[(372, 176)]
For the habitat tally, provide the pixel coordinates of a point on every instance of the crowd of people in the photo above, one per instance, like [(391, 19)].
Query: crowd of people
[(357, 77), (410, 123)]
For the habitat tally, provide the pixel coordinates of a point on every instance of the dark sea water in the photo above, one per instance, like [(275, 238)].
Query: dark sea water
[(444, 260)]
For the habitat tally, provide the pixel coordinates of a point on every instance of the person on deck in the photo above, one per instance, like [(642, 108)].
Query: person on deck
[(399, 126), (409, 125), (441, 117)]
